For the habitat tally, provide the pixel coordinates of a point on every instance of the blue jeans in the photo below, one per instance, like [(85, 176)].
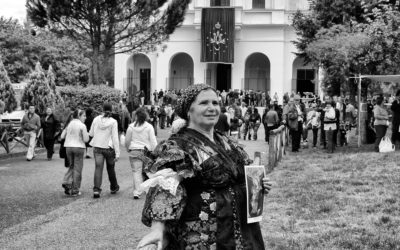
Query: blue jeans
[(107, 155), (137, 169), (74, 172)]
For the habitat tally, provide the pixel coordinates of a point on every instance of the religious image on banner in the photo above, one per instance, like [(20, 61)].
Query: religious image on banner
[(217, 35)]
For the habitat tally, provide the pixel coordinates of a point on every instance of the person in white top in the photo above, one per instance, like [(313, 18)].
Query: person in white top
[(105, 143), (314, 119), (140, 137), (330, 125), (75, 135)]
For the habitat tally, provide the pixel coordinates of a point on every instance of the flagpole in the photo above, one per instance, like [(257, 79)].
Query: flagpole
[(359, 110)]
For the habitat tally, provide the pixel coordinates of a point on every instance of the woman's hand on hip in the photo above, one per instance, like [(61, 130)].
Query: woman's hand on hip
[(267, 184)]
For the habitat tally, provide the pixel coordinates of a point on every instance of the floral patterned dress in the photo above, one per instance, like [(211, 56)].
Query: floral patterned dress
[(208, 210)]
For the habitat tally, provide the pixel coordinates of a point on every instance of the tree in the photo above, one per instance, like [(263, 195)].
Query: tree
[(7, 93), (38, 92), (357, 38), (51, 77), (108, 27), (21, 49)]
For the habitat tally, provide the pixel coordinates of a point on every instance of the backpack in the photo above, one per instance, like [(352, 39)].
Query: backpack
[(162, 111), (292, 115)]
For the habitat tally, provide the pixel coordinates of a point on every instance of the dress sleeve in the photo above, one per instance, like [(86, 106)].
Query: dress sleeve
[(160, 204)]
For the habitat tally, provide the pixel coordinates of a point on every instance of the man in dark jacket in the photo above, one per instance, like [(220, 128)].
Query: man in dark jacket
[(396, 118), (50, 126)]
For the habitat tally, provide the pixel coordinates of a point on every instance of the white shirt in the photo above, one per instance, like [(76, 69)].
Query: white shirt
[(75, 134)]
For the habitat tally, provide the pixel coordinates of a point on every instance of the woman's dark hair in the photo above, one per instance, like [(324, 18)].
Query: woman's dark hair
[(255, 111), (89, 111), (141, 116), (223, 109), (69, 119), (107, 109), (398, 92), (77, 113), (379, 100)]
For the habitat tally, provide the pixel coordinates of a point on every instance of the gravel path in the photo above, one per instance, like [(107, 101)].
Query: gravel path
[(35, 213)]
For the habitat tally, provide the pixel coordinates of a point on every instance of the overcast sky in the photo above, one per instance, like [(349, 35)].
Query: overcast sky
[(13, 8)]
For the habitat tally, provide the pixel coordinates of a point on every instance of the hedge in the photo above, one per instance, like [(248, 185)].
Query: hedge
[(93, 96)]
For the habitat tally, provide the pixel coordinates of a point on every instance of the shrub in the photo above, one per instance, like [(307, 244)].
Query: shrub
[(93, 96), (7, 93)]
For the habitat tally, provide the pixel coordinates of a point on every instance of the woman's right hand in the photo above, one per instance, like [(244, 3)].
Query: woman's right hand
[(156, 237)]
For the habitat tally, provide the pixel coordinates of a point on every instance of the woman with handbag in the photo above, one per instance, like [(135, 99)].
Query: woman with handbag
[(381, 122), (75, 135)]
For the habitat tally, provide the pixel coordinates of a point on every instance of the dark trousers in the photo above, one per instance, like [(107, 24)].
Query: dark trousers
[(380, 133), (107, 155), (395, 132), (323, 137), (162, 121), (49, 144), (330, 143), (305, 134), (296, 137), (315, 136), (169, 121), (335, 136)]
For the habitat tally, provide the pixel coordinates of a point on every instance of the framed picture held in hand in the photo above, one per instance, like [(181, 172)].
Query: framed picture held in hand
[(255, 192)]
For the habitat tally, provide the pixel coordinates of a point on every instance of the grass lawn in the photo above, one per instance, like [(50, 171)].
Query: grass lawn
[(346, 200)]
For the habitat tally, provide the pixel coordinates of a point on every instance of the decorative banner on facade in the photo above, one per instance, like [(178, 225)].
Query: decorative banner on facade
[(217, 35)]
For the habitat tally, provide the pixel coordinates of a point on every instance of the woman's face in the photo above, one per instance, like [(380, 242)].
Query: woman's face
[(49, 111), (204, 111), (82, 117)]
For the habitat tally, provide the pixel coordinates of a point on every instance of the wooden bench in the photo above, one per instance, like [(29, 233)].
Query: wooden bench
[(13, 136)]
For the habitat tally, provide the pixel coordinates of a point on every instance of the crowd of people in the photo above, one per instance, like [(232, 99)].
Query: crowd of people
[(195, 179)]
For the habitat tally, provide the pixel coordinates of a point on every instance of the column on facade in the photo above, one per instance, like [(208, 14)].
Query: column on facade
[(120, 70), (153, 71), (278, 74), (238, 69)]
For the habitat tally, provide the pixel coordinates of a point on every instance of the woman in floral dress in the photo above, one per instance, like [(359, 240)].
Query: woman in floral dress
[(196, 194)]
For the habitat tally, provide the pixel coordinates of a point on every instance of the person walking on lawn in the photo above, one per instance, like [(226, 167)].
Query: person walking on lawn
[(104, 133), (75, 135), (31, 125), (381, 122), (270, 121), (51, 126)]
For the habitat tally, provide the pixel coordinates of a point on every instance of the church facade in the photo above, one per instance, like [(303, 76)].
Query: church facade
[(228, 44)]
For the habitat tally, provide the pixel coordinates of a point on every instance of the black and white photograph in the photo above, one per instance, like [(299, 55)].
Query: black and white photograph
[(254, 190), (200, 124)]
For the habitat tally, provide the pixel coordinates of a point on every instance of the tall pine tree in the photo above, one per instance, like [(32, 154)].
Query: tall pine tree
[(7, 93), (38, 92)]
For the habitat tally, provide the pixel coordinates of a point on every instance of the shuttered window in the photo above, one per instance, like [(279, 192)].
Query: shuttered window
[(220, 3), (258, 4)]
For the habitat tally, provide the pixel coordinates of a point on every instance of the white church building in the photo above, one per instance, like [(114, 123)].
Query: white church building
[(257, 36)]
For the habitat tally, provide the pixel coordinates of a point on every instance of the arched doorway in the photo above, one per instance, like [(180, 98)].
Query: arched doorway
[(257, 73), (303, 77), (138, 76), (180, 71)]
